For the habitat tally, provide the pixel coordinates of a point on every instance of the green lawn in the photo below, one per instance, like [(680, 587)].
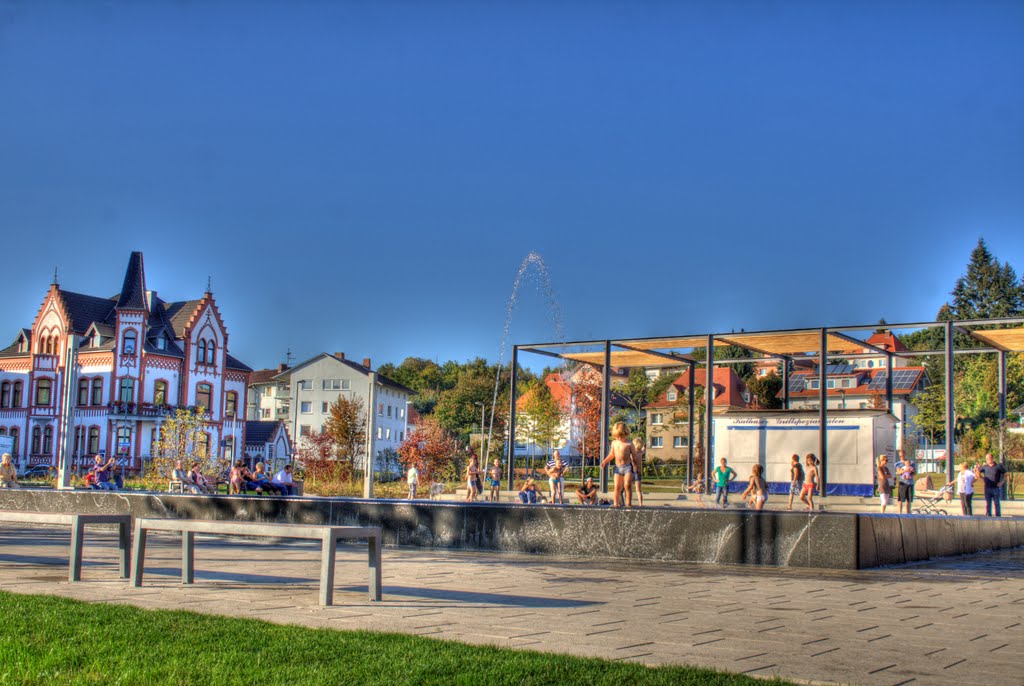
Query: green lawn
[(49, 640)]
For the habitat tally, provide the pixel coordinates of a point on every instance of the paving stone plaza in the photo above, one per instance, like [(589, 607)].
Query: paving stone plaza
[(953, 621)]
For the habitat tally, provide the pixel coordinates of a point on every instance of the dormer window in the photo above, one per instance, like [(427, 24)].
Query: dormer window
[(161, 342), (95, 340), (128, 342)]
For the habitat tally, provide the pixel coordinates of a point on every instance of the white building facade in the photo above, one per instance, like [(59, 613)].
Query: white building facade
[(316, 383), (121, 365)]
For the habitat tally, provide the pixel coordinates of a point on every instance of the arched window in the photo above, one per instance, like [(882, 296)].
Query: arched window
[(126, 392), (43, 387), (37, 435), (128, 343), (211, 353), (16, 395), (203, 392), (97, 391), (48, 440), (79, 446), (83, 391), (230, 403), (15, 435), (5, 394), (202, 351), (160, 393), (94, 440), (229, 448), (3, 430)]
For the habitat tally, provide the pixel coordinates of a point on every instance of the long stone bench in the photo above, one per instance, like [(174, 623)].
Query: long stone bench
[(78, 522), (327, 535)]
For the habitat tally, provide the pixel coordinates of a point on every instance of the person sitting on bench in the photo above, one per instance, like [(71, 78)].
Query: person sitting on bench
[(179, 474), (283, 481)]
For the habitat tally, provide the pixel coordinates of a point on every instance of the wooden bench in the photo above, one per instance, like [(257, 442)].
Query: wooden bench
[(327, 535), (78, 522)]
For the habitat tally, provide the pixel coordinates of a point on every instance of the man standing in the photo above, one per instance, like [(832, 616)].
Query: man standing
[(556, 478), (994, 476), (906, 471)]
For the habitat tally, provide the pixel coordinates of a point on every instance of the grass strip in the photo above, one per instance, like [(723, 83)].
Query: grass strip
[(50, 640)]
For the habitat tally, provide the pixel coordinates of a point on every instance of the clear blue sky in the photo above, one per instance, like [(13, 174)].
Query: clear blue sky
[(369, 175)]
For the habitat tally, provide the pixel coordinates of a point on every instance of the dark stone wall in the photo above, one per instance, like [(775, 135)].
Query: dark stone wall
[(824, 540)]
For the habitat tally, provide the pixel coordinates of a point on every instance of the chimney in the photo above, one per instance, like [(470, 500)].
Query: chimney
[(366, 362), (281, 367), (340, 356)]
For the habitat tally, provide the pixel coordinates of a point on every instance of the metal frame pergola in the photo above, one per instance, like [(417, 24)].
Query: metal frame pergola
[(998, 336)]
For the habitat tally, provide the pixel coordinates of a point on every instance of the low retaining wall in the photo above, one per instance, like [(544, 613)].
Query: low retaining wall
[(790, 539)]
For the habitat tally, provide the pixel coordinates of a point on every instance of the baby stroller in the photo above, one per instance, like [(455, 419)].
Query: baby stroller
[(928, 501)]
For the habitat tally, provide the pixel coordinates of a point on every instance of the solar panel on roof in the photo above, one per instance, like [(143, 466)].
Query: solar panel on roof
[(839, 369), (796, 384), (878, 381)]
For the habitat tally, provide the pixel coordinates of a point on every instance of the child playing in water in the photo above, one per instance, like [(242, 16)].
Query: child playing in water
[(495, 481)]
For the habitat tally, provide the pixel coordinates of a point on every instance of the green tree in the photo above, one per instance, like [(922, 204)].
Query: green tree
[(346, 427), (766, 390), (185, 437), (987, 289)]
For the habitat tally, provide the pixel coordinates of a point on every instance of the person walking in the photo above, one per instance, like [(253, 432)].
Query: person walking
[(412, 478), (994, 476), (965, 489), (796, 479), (723, 474), (641, 456), (810, 482), (884, 476), (905, 470)]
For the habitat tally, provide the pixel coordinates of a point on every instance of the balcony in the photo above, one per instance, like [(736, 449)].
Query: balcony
[(123, 410)]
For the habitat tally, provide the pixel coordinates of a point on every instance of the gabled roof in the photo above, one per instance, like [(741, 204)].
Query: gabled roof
[(133, 290), (259, 432), (886, 340), (365, 371), (729, 388), (263, 376), (234, 363), (83, 309), (178, 314)]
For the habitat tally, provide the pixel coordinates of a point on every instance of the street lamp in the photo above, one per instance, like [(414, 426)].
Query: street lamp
[(483, 455)]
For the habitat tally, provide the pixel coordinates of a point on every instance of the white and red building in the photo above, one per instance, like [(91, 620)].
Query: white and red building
[(137, 358)]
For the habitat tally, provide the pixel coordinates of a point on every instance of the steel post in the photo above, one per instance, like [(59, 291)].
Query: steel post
[(606, 397), (950, 416), (709, 408), (823, 412), (1002, 410), (513, 382), (690, 436), (370, 438)]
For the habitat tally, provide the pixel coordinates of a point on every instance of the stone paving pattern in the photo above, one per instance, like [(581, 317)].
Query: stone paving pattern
[(953, 621)]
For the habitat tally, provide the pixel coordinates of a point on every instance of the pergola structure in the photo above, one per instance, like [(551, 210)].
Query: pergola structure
[(998, 336)]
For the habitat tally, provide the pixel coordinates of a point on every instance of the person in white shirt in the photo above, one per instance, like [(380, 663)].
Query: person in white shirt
[(965, 487), (412, 477), (283, 481)]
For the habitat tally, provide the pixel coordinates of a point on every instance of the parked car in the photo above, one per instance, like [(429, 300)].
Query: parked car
[(37, 472)]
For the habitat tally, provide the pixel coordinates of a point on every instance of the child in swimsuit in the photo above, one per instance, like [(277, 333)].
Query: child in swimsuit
[(810, 482), (757, 490), (495, 481), (624, 454)]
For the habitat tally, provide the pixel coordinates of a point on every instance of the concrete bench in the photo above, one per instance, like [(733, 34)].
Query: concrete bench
[(327, 535), (78, 522)]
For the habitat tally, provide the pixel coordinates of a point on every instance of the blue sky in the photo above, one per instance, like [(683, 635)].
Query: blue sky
[(368, 176)]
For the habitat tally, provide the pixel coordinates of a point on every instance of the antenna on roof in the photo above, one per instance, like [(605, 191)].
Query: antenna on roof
[(288, 357), (209, 287)]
